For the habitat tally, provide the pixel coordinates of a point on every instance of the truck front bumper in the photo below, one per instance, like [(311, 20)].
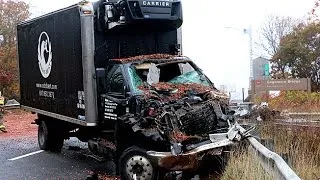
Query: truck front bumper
[(190, 159)]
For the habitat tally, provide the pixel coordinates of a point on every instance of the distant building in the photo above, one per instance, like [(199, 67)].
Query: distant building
[(260, 68)]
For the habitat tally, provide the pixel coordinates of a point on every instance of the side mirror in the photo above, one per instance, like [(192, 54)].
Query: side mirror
[(101, 80)]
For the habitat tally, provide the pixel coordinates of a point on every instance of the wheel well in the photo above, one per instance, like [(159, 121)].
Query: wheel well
[(63, 126), (126, 137)]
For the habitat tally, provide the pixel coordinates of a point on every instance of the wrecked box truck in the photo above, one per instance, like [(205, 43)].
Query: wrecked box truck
[(111, 73)]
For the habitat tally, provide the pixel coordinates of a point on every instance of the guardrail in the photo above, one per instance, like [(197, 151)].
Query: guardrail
[(303, 113), (271, 161), (12, 107), (315, 116), (8, 107)]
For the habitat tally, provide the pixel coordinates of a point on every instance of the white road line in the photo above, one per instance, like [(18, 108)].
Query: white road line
[(26, 155)]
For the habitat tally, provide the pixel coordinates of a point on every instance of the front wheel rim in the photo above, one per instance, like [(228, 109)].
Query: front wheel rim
[(139, 167)]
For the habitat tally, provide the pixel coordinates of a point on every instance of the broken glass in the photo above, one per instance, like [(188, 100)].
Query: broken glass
[(135, 79), (174, 73), (190, 77)]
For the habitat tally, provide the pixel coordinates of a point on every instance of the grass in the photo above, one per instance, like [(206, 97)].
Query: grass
[(294, 101), (300, 144), (244, 166)]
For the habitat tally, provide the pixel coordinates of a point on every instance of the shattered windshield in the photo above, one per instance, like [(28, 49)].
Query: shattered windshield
[(172, 73)]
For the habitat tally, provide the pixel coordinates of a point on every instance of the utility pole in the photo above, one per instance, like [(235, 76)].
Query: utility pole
[(242, 94), (249, 32)]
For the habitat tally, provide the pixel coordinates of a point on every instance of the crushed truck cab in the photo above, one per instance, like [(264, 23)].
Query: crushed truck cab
[(112, 74)]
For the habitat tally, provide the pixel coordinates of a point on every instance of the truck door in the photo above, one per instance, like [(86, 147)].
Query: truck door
[(114, 101)]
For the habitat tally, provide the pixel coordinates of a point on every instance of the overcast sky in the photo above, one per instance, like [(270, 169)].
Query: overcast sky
[(222, 53)]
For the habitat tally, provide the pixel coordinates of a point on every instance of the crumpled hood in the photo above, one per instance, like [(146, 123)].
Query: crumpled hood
[(172, 92)]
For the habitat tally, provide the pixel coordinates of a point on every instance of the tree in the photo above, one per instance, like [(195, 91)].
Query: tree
[(275, 28), (314, 14), (299, 53), (11, 13)]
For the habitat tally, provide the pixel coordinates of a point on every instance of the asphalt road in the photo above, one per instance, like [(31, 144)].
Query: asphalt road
[(72, 163)]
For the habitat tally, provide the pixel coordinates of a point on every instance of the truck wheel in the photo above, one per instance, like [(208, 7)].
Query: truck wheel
[(48, 138), (134, 164), (43, 136)]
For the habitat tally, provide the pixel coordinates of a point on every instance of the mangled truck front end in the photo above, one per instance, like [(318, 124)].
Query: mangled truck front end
[(179, 113)]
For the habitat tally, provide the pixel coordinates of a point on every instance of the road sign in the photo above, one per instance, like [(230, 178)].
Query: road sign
[(302, 84)]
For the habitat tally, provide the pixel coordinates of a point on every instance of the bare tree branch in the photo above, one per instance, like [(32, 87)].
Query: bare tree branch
[(273, 30)]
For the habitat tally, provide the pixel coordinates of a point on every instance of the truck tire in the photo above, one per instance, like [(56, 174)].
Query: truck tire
[(48, 138), (134, 161)]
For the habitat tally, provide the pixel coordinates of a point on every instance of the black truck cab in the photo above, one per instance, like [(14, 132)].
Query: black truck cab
[(121, 80), (112, 74)]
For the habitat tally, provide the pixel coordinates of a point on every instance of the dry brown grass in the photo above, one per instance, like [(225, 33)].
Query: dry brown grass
[(244, 166), (301, 144), (294, 101)]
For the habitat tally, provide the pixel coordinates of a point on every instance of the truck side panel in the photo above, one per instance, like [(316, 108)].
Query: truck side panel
[(50, 63)]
